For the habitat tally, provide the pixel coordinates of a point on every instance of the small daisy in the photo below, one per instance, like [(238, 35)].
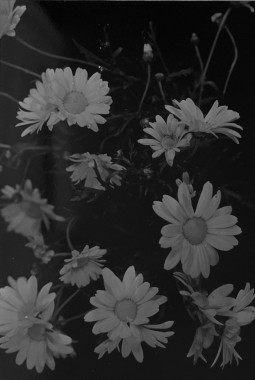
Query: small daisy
[(83, 266), (21, 302), (84, 169), (194, 236), (217, 120), (124, 306), (40, 106), (169, 137), (80, 100), (9, 18), (147, 334), (37, 344), (27, 210), (40, 249)]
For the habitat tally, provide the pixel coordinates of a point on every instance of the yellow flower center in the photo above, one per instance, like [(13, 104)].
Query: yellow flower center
[(125, 310), (31, 209), (194, 230), (168, 142), (75, 103), (37, 332), (26, 311)]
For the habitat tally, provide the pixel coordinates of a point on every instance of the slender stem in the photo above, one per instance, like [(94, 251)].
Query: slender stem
[(5, 146), (234, 61), (25, 172), (162, 92), (199, 59), (66, 302), (20, 68), (73, 318), (9, 96), (70, 245), (147, 86), (61, 254), (211, 53)]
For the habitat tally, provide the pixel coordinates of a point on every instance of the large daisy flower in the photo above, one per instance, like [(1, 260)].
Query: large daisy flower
[(218, 119), (27, 210), (147, 334), (21, 302), (194, 236), (169, 137), (83, 266), (124, 306), (84, 168), (37, 343), (9, 17)]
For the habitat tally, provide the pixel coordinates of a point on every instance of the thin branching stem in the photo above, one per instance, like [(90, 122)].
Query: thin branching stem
[(9, 96), (66, 302), (70, 245), (20, 68), (233, 63), (147, 86)]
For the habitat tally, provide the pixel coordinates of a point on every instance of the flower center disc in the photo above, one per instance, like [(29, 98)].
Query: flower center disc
[(168, 142), (195, 230), (125, 310), (80, 262), (37, 332), (75, 103), (31, 209)]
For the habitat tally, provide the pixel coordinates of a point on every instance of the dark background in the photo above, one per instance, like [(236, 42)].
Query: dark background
[(51, 26)]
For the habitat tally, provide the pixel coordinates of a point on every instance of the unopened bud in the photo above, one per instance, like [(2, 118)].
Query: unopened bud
[(159, 77), (147, 53), (194, 39), (217, 17), (144, 123)]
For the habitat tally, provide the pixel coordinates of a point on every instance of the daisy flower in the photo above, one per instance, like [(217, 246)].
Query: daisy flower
[(83, 266), (218, 119), (169, 137), (84, 169), (80, 100), (203, 339), (9, 18), (27, 210), (124, 306), (185, 179), (21, 302), (131, 343), (37, 344), (244, 314), (194, 236)]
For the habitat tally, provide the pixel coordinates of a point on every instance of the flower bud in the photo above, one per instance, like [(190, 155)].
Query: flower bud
[(147, 53), (194, 39), (159, 77), (217, 17)]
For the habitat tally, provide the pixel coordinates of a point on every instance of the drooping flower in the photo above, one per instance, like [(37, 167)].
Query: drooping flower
[(185, 179), (169, 137), (131, 343), (83, 266), (37, 343), (84, 168), (40, 249), (203, 339), (194, 236), (244, 314), (21, 302), (27, 210), (124, 307), (218, 119), (9, 17)]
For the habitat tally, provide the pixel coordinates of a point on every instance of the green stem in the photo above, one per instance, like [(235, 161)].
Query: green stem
[(70, 245), (20, 68), (233, 63), (147, 86), (211, 53), (61, 254), (65, 303), (199, 59), (73, 318), (9, 96), (162, 92)]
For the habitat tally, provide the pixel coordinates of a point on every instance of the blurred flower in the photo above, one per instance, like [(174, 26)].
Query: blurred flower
[(84, 169), (203, 339), (39, 248), (20, 302), (9, 18), (194, 235), (217, 17), (229, 339), (217, 120), (185, 179), (37, 344), (83, 266), (194, 39), (80, 100), (27, 210), (244, 315), (169, 137), (159, 77), (147, 53), (131, 343), (124, 307)]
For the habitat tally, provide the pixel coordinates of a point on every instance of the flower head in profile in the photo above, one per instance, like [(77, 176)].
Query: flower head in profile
[(203, 339), (122, 311), (169, 137), (27, 210), (218, 119), (148, 334), (9, 17), (40, 249), (83, 266), (84, 168), (37, 343), (193, 236), (21, 302)]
